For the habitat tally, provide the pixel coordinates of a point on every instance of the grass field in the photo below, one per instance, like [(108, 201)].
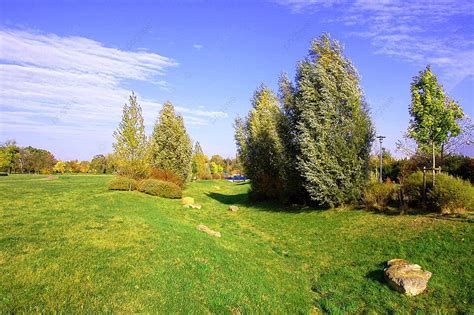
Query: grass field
[(70, 245)]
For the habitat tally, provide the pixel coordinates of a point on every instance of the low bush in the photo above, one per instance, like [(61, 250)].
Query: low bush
[(122, 183), (412, 188), (160, 188), (378, 195), (451, 194), (205, 176), (216, 176), (166, 176)]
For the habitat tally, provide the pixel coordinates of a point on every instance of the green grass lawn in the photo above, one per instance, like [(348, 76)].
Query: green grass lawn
[(70, 245)]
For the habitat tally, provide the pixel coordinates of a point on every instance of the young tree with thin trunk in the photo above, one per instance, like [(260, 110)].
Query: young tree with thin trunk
[(130, 145), (434, 114)]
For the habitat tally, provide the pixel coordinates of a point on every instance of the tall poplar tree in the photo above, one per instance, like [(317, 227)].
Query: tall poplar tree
[(170, 146), (259, 144), (334, 132), (130, 142), (434, 114), (292, 181)]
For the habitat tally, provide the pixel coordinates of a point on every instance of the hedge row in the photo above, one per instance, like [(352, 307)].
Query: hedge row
[(153, 187)]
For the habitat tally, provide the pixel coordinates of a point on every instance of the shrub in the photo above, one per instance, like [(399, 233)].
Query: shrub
[(166, 176), (378, 195), (205, 176), (451, 194), (122, 183), (216, 176), (412, 188), (160, 188)]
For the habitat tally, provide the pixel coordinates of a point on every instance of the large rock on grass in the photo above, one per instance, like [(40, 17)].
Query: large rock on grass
[(205, 229), (406, 277)]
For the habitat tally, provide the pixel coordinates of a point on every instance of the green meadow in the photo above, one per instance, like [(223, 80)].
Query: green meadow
[(70, 245)]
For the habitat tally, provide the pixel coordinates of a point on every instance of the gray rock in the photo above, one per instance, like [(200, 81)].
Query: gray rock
[(233, 208), (406, 277)]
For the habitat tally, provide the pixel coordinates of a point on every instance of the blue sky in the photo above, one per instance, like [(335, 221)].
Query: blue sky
[(66, 68)]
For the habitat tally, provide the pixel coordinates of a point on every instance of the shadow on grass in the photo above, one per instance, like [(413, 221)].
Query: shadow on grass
[(270, 206), (377, 275)]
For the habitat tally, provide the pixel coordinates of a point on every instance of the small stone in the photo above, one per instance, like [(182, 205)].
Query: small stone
[(187, 201), (195, 206), (406, 277), (233, 208), (207, 230)]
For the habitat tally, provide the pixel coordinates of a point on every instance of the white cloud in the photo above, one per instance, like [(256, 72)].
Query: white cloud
[(74, 85), (421, 32), (198, 46)]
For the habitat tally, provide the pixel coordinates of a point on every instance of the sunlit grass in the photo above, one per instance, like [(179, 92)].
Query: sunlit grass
[(71, 245)]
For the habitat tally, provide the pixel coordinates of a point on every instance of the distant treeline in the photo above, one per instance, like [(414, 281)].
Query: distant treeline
[(16, 159)]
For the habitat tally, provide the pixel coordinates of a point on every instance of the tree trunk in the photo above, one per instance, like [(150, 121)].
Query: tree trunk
[(434, 163)]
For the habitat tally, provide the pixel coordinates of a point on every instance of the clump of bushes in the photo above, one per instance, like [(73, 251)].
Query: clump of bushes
[(122, 183), (377, 195), (451, 194), (166, 176), (412, 188), (160, 188)]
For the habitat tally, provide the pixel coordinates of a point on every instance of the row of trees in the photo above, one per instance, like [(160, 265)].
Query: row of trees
[(312, 143), (16, 159), (169, 148), (214, 168), (100, 164)]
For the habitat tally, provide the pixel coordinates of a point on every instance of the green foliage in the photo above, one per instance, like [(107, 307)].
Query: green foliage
[(130, 142), (434, 114), (98, 164), (171, 147), (9, 154), (122, 183), (292, 180), (36, 160), (391, 167), (412, 188), (334, 130), (200, 165), (378, 195), (451, 194), (160, 188), (259, 144), (460, 166), (216, 168)]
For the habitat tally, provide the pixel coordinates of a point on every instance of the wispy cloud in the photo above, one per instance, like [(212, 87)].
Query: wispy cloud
[(75, 85), (198, 46), (423, 32)]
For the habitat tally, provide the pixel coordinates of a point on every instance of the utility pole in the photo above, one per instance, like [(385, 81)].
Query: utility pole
[(381, 157)]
